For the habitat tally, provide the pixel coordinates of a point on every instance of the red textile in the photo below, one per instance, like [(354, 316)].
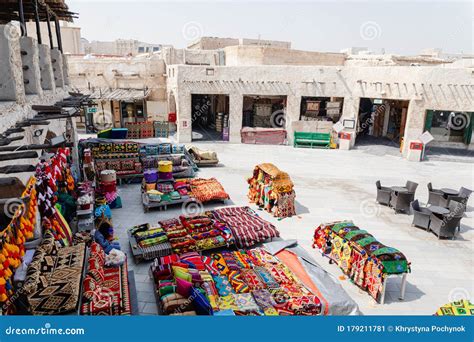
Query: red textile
[(247, 227)]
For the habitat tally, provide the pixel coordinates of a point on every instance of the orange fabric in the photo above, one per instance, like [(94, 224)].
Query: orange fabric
[(293, 263)]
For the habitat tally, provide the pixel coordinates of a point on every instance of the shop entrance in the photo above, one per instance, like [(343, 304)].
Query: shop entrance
[(264, 111), (381, 122), (210, 117)]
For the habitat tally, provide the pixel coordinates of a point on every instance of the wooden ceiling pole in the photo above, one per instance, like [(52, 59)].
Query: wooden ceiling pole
[(37, 21), (21, 13), (58, 33), (51, 45)]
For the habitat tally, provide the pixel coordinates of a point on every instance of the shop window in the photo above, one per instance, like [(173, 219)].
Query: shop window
[(321, 108), (449, 126), (141, 49)]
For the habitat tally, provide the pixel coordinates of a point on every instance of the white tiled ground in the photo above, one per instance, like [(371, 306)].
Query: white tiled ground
[(335, 185)]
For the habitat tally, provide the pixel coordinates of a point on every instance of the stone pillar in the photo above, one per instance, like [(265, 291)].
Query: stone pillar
[(184, 118), (236, 103), (293, 108), (415, 123), (11, 74), (31, 69), (46, 69), (65, 70), (57, 62), (350, 111)]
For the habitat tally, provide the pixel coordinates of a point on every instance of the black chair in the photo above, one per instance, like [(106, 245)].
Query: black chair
[(383, 193), (411, 186), (421, 216), (462, 197), (457, 209), (434, 195), (444, 226), (400, 201)]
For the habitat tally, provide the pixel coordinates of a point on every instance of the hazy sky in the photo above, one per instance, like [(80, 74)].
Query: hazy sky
[(403, 27)]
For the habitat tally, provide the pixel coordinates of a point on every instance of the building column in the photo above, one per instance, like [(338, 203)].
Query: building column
[(184, 118), (11, 74), (31, 69), (293, 108), (57, 62), (415, 123), (46, 68), (236, 103), (350, 111)]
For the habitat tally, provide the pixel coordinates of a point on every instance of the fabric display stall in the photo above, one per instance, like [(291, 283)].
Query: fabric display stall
[(272, 190), (360, 256), (182, 164), (106, 289), (57, 196), (13, 237), (230, 282), (160, 189), (197, 233), (247, 227), (148, 243), (459, 308), (118, 155), (53, 282)]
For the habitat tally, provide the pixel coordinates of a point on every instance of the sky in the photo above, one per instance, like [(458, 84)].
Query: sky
[(400, 27)]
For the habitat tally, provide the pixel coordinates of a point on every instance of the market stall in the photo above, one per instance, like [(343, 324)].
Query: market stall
[(230, 282), (365, 260), (272, 190), (160, 189)]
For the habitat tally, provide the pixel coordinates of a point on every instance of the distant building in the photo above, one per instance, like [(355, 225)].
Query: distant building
[(71, 36), (214, 43), (120, 47)]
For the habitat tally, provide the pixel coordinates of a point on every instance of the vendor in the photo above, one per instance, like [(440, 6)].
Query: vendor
[(104, 236)]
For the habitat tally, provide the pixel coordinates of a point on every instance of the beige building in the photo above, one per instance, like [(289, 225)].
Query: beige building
[(71, 36), (119, 47), (380, 99)]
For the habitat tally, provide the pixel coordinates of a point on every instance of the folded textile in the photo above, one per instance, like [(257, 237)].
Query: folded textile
[(205, 190), (247, 227), (245, 302), (237, 282)]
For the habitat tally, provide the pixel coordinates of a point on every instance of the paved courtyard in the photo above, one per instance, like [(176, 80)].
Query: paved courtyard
[(336, 185)]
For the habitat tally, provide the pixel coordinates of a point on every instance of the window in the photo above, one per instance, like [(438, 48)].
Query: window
[(141, 49)]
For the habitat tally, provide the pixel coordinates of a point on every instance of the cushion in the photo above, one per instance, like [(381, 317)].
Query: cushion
[(91, 288), (183, 287), (201, 304), (127, 165)]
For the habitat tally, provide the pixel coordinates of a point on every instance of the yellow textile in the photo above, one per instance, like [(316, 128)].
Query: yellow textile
[(165, 166)]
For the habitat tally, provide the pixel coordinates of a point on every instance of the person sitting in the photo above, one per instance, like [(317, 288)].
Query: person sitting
[(104, 236)]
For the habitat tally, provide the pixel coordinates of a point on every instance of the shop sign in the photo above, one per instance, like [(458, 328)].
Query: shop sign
[(91, 110), (378, 101)]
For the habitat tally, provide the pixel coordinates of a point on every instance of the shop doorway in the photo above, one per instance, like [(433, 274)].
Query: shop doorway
[(264, 111), (132, 112), (210, 117), (381, 122), (321, 108)]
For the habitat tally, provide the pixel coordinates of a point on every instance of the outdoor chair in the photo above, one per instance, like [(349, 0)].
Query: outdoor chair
[(434, 195), (457, 209), (400, 201), (462, 197), (411, 186), (421, 215), (383, 194), (444, 226)]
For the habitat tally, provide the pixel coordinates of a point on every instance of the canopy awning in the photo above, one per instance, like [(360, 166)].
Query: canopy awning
[(129, 95)]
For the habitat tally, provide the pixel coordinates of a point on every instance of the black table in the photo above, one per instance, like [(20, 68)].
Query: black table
[(438, 210), (448, 191), (399, 189)]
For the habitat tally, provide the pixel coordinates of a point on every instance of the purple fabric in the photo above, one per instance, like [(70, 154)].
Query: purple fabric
[(165, 175), (151, 175)]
